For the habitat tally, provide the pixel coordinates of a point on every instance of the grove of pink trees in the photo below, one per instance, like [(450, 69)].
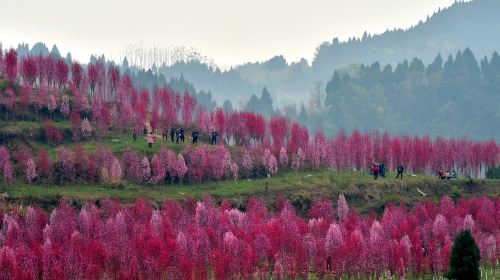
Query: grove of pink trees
[(203, 162), (97, 96), (203, 241)]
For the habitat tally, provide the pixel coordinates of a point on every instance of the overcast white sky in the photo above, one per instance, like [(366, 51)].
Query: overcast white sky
[(229, 31)]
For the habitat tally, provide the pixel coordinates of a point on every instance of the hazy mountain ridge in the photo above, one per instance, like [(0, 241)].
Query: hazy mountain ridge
[(462, 25)]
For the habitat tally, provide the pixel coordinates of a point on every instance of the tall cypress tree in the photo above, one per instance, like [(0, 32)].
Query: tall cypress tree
[(464, 260)]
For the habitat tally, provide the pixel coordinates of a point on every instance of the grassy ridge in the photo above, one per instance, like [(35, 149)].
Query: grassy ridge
[(361, 191)]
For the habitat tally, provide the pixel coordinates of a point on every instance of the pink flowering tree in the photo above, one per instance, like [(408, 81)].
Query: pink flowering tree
[(283, 157), (29, 70), (159, 170), (86, 128), (67, 162), (181, 168), (8, 173), (44, 164), (62, 72), (247, 161), (4, 155), (145, 173), (64, 108), (270, 162), (168, 161), (52, 103), (10, 65), (116, 171), (279, 128), (342, 208), (10, 100), (298, 160), (202, 119), (77, 75), (30, 170), (234, 170), (220, 162), (188, 105)]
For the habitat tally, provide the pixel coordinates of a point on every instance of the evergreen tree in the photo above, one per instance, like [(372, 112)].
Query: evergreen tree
[(125, 64), (266, 103), (227, 106), (206, 99), (262, 105), (55, 52), (464, 260), (303, 117)]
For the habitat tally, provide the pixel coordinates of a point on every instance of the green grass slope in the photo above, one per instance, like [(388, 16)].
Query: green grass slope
[(361, 191)]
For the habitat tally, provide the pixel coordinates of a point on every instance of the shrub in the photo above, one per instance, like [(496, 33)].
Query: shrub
[(464, 260)]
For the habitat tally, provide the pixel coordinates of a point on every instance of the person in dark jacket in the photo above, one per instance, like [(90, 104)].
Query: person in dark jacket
[(195, 136), (181, 134), (177, 135), (382, 169), (400, 170), (172, 134), (214, 138)]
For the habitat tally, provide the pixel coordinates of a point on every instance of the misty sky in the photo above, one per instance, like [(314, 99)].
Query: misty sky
[(229, 31)]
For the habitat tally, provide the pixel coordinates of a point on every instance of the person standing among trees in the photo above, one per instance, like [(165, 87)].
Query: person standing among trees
[(382, 169), (400, 170), (375, 169), (181, 134), (150, 139), (195, 136), (441, 174), (172, 134), (214, 138), (177, 135)]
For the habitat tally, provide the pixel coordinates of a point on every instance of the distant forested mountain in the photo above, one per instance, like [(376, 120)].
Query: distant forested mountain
[(471, 24), (451, 97)]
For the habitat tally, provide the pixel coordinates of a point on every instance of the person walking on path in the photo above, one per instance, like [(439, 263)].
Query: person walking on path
[(150, 139), (400, 170)]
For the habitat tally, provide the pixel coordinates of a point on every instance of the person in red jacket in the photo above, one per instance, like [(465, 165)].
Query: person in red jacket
[(441, 174), (375, 169)]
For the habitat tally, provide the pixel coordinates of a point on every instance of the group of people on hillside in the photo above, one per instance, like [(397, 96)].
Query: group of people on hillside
[(447, 175), (378, 169), (177, 135)]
